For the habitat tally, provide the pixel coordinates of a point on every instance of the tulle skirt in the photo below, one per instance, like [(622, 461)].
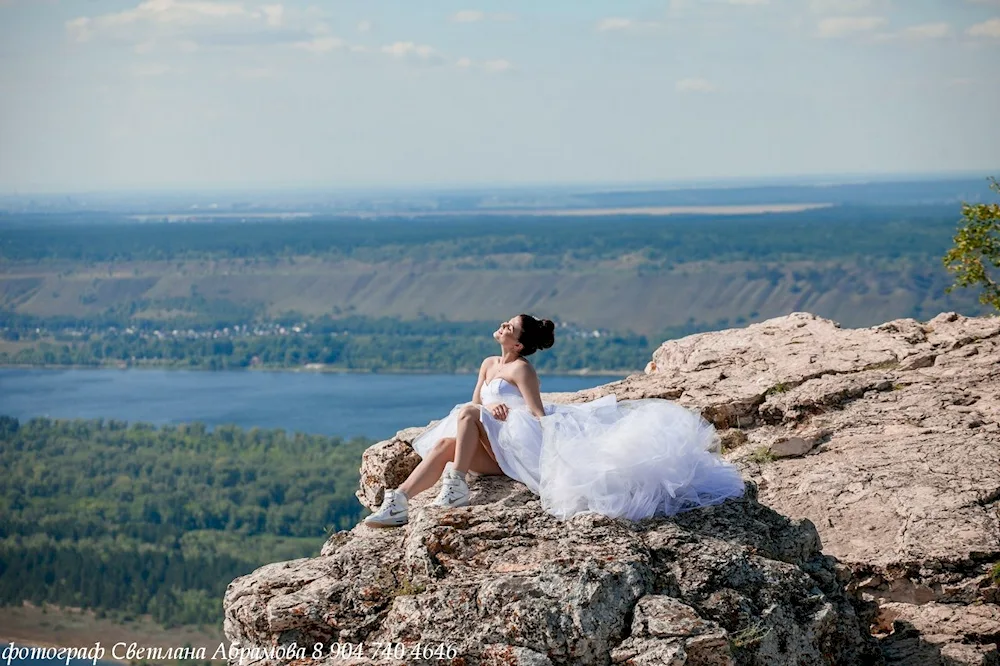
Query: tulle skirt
[(624, 459)]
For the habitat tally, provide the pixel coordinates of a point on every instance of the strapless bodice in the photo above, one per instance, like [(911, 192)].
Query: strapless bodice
[(499, 389)]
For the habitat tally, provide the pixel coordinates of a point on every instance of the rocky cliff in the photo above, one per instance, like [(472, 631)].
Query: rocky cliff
[(869, 532)]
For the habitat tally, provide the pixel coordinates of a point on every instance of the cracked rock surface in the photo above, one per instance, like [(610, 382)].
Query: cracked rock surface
[(503, 582), (897, 463), (881, 444)]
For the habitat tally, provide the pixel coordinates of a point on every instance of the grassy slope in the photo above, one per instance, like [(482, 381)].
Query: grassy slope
[(610, 295)]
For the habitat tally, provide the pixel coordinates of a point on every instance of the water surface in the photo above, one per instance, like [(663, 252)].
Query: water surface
[(373, 405)]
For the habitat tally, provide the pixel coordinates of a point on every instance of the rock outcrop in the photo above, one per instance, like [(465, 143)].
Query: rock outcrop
[(886, 438), (882, 442), (502, 582)]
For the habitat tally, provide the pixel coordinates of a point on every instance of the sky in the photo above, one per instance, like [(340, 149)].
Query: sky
[(121, 95)]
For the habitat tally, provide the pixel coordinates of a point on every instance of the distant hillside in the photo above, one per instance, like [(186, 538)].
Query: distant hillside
[(856, 293), (646, 274)]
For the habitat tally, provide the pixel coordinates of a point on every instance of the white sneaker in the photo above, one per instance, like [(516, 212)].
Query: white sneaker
[(454, 489), (393, 512)]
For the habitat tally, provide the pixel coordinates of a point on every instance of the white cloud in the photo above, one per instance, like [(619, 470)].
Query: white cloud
[(364, 26), (172, 11), (839, 6), (614, 23), (408, 49), (696, 86), (617, 23), (159, 18), (320, 44), (274, 14), (677, 7), (845, 25), (468, 16), (990, 28), (476, 15), (145, 47), (928, 31), (80, 29), (495, 66), (499, 65), (749, 2)]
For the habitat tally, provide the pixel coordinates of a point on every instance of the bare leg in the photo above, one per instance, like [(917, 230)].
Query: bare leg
[(470, 456), (429, 470), (470, 453), (482, 463)]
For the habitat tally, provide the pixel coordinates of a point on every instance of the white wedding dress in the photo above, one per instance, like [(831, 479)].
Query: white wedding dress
[(624, 459)]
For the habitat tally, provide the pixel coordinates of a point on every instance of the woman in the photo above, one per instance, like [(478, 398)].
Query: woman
[(631, 459)]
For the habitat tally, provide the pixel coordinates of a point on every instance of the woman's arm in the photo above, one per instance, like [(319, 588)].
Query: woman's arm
[(528, 384), (487, 362)]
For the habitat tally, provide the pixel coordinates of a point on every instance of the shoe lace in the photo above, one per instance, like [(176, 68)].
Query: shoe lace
[(387, 501), (451, 489)]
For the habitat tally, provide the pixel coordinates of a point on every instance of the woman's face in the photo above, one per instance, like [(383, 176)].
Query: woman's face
[(509, 332)]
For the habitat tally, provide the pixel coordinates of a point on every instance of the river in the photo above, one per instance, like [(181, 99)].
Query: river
[(372, 405)]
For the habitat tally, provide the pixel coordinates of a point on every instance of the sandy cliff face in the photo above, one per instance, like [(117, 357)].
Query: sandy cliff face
[(876, 453)]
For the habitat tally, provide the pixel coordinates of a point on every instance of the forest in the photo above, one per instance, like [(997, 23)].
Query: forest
[(128, 517), (354, 344)]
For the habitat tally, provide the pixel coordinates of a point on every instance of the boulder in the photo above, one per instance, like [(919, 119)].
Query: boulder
[(935, 633)]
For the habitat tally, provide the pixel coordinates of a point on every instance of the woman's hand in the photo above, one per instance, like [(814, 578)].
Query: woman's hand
[(499, 411)]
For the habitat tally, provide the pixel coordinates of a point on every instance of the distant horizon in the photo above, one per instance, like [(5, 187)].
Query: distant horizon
[(819, 179)]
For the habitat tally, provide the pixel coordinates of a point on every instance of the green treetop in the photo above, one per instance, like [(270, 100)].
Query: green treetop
[(977, 244)]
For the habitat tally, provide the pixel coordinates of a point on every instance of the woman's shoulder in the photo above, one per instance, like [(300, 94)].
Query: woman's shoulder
[(523, 368)]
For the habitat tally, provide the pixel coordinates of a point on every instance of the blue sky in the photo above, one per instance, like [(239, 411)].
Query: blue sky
[(200, 93)]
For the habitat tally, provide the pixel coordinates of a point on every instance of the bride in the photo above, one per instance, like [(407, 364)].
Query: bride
[(629, 459)]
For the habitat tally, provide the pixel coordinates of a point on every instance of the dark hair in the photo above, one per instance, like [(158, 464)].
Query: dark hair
[(536, 334)]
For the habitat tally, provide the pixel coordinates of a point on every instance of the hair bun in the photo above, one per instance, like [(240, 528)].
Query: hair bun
[(536, 334), (547, 335)]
